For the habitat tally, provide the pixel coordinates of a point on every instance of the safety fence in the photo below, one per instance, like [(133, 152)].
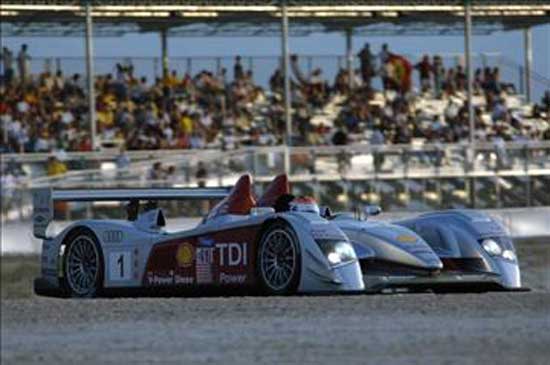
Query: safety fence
[(399, 177)]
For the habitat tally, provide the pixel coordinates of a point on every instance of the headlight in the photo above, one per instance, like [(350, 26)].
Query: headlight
[(337, 252), (509, 255), (492, 247)]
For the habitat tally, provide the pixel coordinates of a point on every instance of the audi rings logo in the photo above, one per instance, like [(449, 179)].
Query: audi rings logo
[(114, 236)]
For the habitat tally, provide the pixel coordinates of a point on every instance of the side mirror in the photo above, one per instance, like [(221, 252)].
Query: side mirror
[(370, 210)]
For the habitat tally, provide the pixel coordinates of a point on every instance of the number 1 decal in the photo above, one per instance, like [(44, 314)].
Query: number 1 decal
[(120, 266), (120, 262)]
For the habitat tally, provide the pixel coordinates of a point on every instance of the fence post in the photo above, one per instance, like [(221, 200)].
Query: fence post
[(218, 66), (251, 64), (156, 66)]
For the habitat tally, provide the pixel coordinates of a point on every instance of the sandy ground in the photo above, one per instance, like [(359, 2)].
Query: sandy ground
[(501, 328), (512, 328)]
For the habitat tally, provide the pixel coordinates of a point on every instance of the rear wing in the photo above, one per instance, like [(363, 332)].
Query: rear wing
[(44, 198)]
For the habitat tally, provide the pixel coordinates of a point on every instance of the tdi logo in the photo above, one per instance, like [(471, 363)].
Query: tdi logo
[(233, 254)]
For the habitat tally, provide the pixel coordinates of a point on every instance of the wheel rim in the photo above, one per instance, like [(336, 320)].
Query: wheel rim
[(278, 259), (82, 265)]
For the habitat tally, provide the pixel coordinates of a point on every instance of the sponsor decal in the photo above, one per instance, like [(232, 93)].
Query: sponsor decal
[(232, 278), (201, 260), (325, 231), (113, 236), (121, 266), (203, 266), (183, 280), (406, 238), (184, 255), (169, 278), (160, 279), (233, 254)]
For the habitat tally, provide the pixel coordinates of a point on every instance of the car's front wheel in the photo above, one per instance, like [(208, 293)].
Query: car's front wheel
[(83, 264), (279, 260)]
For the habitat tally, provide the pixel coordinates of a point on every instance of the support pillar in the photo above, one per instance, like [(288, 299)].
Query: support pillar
[(286, 76), (90, 75), (349, 57), (469, 70), (528, 67), (164, 52)]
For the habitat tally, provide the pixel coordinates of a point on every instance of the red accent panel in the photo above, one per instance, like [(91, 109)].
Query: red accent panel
[(226, 257), (279, 186), (239, 201)]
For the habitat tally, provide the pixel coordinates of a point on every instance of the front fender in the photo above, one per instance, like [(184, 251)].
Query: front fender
[(317, 273)]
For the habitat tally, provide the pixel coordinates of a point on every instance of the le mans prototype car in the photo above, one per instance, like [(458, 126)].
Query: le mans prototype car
[(240, 244), (279, 244)]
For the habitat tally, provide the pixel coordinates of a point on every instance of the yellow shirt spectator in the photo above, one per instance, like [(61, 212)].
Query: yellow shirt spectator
[(186, 124), (56, 167), (171, 80)]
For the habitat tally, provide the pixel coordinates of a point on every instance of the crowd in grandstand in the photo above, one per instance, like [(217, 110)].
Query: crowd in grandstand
[(49, 111)]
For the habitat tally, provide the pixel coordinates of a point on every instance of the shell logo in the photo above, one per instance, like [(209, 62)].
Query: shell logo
[(185, 254), (406, 238)]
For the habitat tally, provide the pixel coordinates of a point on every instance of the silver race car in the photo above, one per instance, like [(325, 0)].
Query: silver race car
[(441, 251), (239, 246)]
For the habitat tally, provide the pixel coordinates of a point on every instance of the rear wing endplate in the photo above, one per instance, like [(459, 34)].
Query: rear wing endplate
[(44, 198)]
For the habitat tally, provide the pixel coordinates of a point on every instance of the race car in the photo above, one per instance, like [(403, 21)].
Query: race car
[(450, 250), (240, 245)]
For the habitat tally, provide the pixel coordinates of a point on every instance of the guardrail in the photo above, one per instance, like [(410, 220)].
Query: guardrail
[(355, 161), (518, 172)]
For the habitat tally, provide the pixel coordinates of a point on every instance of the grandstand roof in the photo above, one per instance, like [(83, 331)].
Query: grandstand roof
[(261, 17)]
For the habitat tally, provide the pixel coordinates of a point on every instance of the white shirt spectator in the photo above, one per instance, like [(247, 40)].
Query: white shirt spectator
[(22, 106), (67, 117)]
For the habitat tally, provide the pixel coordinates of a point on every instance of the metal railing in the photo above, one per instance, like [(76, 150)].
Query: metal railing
[(520, 171)]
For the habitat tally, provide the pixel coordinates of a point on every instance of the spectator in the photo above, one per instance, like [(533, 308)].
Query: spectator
[(377, 139), (55, 167), (7, 63), (386, 68), (122, 160), (424, 71), (205, 110), (384, 54), (461, 78), (276, 81), (545, 101), (170, 175), (238, 71), (367, 60), (438, 72), (157, 172), (201, 175), (23, 62)]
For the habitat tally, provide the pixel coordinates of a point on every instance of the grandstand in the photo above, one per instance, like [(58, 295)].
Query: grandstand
[(361, 131)]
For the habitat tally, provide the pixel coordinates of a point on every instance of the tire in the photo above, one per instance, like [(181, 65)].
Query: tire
[(82, 264), (278, 262)]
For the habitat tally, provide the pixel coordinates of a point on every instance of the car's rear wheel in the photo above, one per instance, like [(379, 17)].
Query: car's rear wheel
[(279, 260), (83, 264)]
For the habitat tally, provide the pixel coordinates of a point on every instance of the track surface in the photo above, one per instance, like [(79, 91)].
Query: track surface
[(509, 328), (493, 328)]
